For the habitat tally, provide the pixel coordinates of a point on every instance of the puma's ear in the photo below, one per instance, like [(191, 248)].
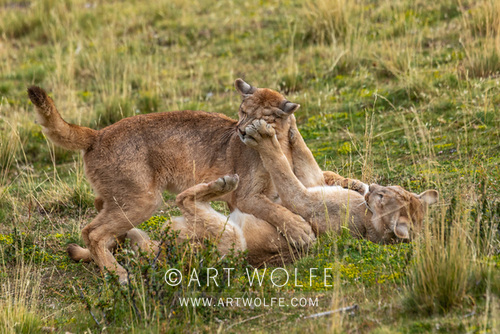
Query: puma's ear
[(429, 197), (290, 107), (401, 231), (243, 87)]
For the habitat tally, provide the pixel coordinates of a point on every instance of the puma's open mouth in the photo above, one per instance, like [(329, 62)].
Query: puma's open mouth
[(241, 134)]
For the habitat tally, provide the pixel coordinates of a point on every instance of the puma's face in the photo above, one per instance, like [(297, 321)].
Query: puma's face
[(265, 104), (398, 214)]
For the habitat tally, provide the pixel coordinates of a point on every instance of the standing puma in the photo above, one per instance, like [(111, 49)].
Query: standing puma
[(130, 163)]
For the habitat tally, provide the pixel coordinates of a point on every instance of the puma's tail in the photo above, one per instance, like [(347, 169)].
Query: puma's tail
[(69, 136), (139, 240)]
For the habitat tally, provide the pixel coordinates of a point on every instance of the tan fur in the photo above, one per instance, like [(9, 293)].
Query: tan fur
[(388, 213), (384, 215), (334, 179), (139, 240), (306, 168), (130, 163), (69, 136), (304, 165), (199, 221)]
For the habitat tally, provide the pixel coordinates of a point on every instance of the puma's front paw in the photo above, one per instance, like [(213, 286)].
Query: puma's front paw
[(359, 187), (258, 131), (299, 233)]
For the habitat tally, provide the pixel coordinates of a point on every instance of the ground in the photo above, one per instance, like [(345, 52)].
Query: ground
[(391, 92)]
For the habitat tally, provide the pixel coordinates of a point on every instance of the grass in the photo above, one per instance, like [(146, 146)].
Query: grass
[(393, 92)]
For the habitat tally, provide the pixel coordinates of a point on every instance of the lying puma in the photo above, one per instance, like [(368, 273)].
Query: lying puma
[(390, 212), (130, 163), (384, 215)]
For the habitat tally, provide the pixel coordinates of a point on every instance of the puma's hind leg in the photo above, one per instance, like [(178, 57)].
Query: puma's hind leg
[(78, 253), (200, 221), (305, 166), (307, 170), (118, 216)]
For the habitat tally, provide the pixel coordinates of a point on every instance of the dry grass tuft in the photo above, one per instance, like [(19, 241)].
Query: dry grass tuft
[(20, 299), (481, 39), (330, 21)]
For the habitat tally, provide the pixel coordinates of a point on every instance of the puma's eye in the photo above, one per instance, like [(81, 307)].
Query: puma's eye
[(380, 196)]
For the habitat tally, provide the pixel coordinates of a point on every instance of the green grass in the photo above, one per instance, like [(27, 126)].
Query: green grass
[(393, 92)]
